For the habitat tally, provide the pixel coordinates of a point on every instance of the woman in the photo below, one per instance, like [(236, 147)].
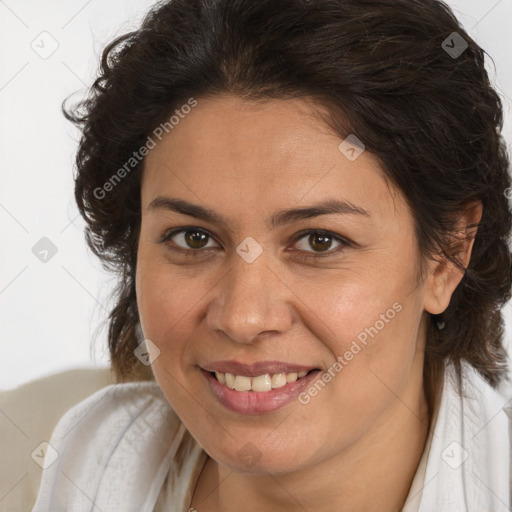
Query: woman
[(306, 202)]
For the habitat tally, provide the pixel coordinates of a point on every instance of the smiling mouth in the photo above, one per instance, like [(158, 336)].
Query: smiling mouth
[(260, 383)]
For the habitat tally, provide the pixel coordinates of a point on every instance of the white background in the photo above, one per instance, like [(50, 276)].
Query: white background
[(53, 315)]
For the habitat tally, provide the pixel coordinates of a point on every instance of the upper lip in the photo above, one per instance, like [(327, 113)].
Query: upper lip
[(255, 369)]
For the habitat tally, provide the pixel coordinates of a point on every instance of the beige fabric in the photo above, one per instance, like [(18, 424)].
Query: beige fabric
[(28, 415)]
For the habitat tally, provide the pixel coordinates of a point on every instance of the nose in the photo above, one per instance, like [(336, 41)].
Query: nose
[(250, 301)]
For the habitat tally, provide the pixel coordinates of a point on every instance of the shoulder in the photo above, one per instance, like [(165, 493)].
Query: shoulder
[(115, 446), (506, 391), (127, 410), (469, 459), (28, 415)]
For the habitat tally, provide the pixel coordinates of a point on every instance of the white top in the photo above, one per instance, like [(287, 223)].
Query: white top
[(124, 449)]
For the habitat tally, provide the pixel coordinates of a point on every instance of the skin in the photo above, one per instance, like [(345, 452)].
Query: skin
[(356, 445)]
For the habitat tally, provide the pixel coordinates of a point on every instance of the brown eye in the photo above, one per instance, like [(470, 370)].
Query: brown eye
[(189, 239), (196, 239), (320, 242), (317, 242)]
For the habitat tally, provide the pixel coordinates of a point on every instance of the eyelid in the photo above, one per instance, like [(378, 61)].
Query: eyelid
[(344, 242), (169, 233)]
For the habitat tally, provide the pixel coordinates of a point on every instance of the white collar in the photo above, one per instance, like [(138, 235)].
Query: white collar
[(468, 464)]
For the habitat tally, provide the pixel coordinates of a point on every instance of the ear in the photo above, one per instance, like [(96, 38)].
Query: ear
[(443, 275)]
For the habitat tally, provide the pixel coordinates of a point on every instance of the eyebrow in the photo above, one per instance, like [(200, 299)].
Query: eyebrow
[(282, 217)]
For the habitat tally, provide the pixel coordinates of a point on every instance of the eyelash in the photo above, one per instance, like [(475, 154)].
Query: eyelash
[(304, 255)]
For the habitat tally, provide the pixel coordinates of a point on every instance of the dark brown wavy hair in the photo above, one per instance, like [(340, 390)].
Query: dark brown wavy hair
[(384, 71)]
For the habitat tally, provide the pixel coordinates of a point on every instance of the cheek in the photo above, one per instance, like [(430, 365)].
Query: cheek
[(171, 306), (165, 296), (357, 305), (370, 326), (167, 309), (373, 358)]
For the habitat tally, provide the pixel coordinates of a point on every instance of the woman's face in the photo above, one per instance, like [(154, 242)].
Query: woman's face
[(254, 292)]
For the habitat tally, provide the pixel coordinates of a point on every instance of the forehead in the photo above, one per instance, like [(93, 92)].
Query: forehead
[(240, 154)]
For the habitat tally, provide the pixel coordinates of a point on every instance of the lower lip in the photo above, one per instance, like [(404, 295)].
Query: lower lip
[(253, 402)]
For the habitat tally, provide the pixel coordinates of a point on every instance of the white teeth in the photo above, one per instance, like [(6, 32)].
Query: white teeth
[(230, 380), (261, 383), (242, 383), (278, 380)]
